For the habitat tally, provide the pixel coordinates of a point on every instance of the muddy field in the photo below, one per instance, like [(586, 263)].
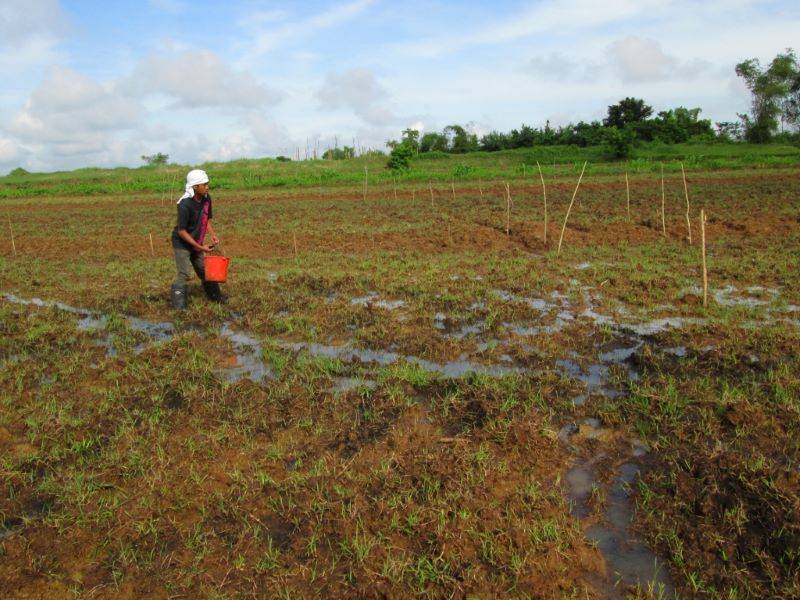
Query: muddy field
[(403, 399)]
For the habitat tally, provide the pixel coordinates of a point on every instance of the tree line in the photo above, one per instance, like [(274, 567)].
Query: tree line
[(775, 112)]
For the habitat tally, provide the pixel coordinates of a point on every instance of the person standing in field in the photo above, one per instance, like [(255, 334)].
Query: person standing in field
[(189, 239)]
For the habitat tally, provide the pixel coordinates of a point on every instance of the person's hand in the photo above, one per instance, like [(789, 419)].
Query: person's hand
[(214, 240), (205, 248)]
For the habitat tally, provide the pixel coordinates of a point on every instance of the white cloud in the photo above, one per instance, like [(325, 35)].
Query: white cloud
[(73, 111), (358, 90), (21, 20), (199, 78), (547, 17), (641, 60), (264, 39), (636, 59), (558, 67), (10, 151), (268, 133), (30, 31)]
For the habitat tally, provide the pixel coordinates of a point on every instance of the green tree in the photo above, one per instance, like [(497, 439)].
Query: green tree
[(339, 153), (459, 140), (411, 139), (432, 142), (771, 88), (400, 157), (155, 159), (627, 111), (494, 141), (619, 141)]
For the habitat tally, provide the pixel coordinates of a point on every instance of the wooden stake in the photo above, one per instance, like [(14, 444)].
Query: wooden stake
[(508, 210), (544, 196), (566, 218), (663, 202), (13, 244), (453, 186), (628, 195), (294, 240), (686, 193), (705, 269), (394, 185), (152, 250), (430, 186), (366, 182)]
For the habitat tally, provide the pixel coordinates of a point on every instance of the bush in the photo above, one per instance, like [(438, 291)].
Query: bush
[(155, 159), (434, 155), (283, 158), (619, 142), (462, 171), (400, 158)]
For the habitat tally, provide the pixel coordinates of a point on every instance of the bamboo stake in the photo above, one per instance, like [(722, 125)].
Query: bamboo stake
[(508, 210), (394, 185), (294, 240), (453, 186), (366, 182), (152, 250), (705, 269), (480, 187), (430, 186), (628, 195), (686, 193), (13, 244), (566, 218), (663, 202), (544, 196)]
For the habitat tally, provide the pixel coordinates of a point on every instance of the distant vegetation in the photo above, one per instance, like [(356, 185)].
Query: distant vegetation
[(156, 159), (435, 166), (775, 115)]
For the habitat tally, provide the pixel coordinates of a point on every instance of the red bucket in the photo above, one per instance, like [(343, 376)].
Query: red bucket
[(217, 268)]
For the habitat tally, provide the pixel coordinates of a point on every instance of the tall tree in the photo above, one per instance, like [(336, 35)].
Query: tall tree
[(629, 110), (772, 94)]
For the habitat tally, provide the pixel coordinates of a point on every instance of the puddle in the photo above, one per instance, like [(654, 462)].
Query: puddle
[(248, 352), (628, 559), (580, 483), (660, 325), (452, 369), (372, 299), (539, 304), (679, 351)]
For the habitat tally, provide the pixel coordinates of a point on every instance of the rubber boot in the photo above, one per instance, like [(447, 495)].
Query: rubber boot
[(178, 296), (214, 292)]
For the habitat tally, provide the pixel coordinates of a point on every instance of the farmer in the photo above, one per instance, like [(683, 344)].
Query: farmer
[(189, 239)]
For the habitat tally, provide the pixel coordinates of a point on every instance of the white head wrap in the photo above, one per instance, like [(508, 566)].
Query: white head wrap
[(193, 177)]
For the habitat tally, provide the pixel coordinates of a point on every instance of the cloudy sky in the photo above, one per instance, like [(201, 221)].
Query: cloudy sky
[(87, 85)]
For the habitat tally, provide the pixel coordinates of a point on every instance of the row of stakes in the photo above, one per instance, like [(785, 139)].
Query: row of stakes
[(544, 197)]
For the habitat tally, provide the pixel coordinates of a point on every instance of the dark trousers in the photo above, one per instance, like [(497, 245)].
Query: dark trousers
[(185, 261)]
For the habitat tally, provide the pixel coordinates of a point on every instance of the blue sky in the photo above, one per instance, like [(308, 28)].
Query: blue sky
[(101, 83)]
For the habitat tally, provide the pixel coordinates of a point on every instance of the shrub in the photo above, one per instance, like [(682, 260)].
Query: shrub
[(619, 142), (400, 158)]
